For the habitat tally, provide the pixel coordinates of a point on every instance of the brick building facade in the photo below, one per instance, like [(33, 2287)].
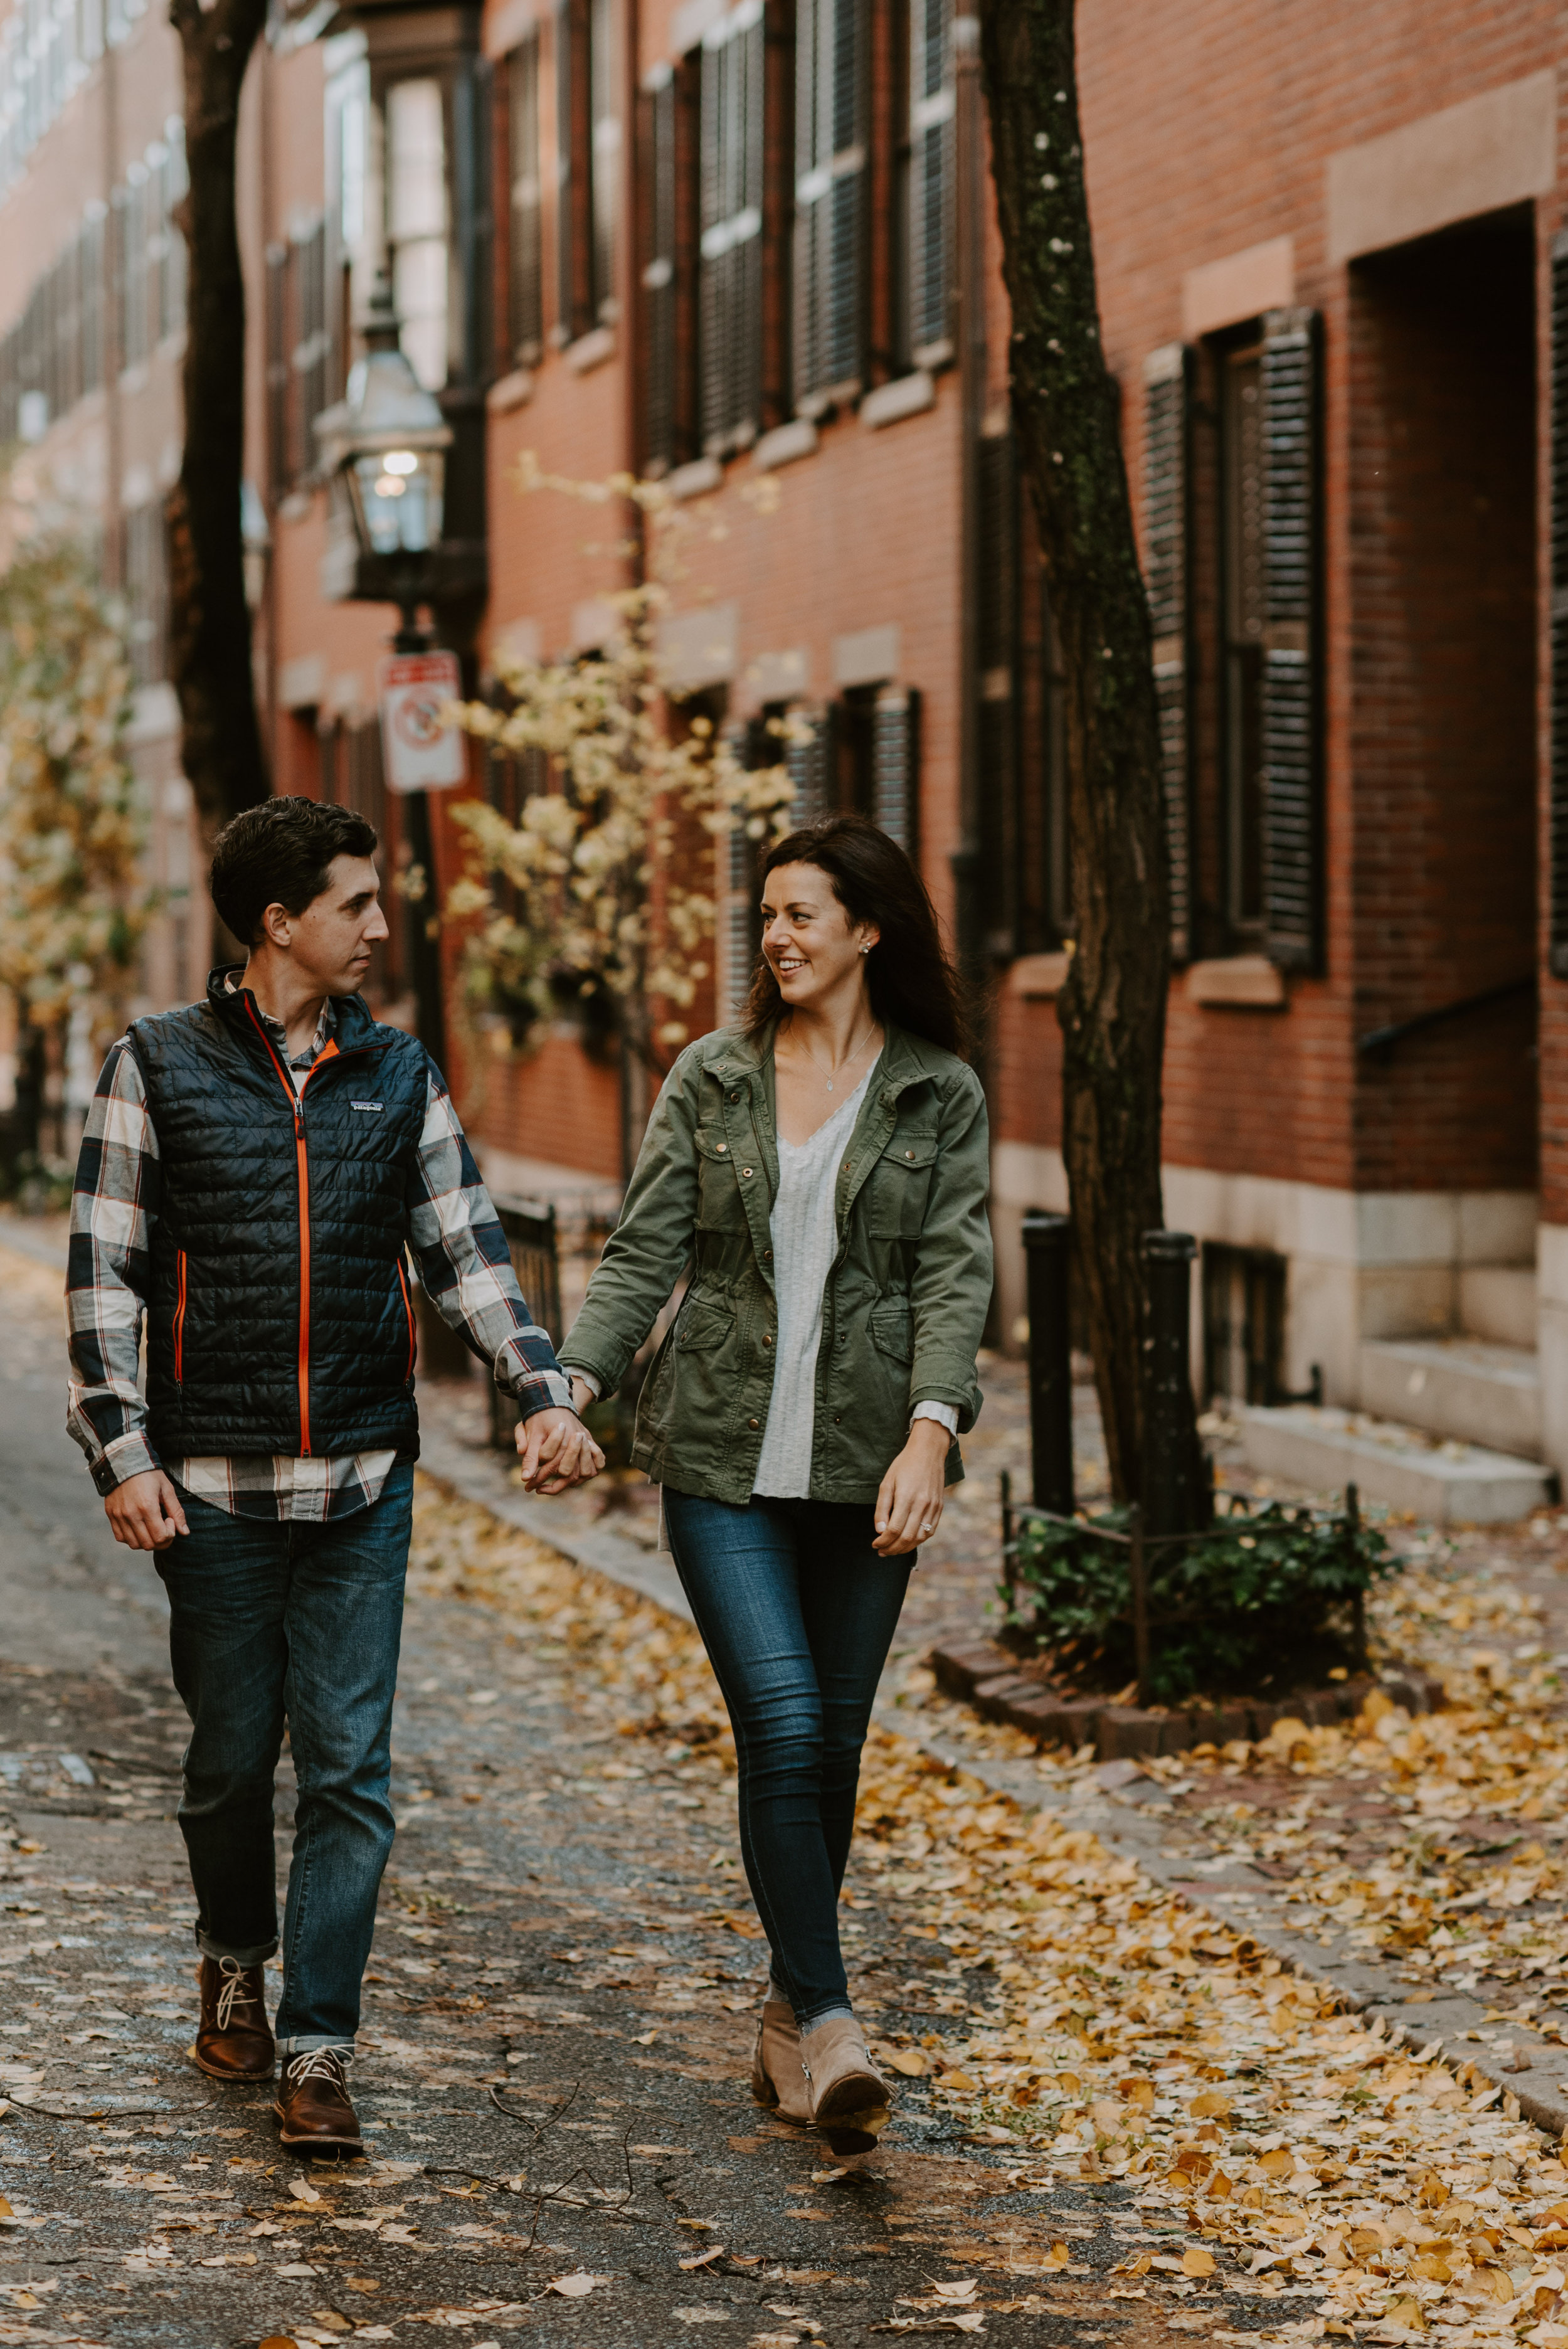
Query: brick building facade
[(753, 245)]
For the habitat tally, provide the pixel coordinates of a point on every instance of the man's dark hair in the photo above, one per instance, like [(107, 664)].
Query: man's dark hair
[(280, 854)]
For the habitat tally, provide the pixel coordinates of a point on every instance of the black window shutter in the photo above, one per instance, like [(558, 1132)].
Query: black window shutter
[(605, 162), (895, 764), (931, 110), (830, 201), (1291, 697), (1558, 947), (570, 161), (732, 159), (525, 303), (659, 159), (812, 767), (1167, 375), (737, 926)]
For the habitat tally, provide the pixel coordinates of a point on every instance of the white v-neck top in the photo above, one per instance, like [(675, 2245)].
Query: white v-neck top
[(805, 1240)]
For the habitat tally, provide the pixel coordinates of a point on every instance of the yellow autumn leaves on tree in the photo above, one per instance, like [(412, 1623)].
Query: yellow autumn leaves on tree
[(72, 906), (607, 869)]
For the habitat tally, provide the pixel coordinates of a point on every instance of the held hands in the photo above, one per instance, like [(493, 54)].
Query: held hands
[(144, 1513), (909, 1505), (557, 1452)]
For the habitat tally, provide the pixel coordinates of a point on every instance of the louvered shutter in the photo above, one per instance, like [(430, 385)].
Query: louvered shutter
[(931, 110), (895, 764), (738, 922), (277, 369), (605, 167), (1558, 949), (570, 158), (831, 42), (732, 154), (525, 300), (810, 767), (1166, 383), (658, 211), (1291, 689)]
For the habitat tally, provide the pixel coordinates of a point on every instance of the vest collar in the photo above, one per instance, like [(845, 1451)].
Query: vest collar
[(349, 1023)]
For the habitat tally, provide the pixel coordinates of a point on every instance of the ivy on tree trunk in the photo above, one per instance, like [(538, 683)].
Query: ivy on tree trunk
[(1066, 411), (210, 621)]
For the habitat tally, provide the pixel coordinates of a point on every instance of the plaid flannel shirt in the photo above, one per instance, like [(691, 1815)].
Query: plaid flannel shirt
[(453, 1230)]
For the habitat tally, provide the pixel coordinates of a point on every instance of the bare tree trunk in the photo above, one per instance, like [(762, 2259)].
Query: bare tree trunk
[(210, 621), (1065, 413)]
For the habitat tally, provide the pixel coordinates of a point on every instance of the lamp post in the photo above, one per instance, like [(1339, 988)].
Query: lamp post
[(384, 447)]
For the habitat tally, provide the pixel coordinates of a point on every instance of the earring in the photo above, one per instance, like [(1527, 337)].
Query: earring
[(865, 950)]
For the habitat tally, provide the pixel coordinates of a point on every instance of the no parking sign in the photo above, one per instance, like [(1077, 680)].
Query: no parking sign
[(420, 754)]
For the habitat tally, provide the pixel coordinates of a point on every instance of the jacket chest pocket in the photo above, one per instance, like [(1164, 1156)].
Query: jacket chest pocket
[(900, 1186), (720, 1206)]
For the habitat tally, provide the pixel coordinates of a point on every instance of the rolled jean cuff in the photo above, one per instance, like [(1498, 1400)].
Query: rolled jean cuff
[(305, 2043), (255, 1956)]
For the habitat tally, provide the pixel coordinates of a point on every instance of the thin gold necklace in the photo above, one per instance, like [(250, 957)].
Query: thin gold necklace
[(842, 1064)]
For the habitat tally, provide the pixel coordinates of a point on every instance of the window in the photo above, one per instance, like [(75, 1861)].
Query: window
[(864, 755), (300, 348), (1242, 613), (165, 246), (830, 135), (588, 146), (416, 223), (1026, 881), (130, 208), (525, 287), (1244, 1326)]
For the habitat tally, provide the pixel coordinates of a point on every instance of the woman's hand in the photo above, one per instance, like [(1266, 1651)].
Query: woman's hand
[(909, 1505), (557, 1451)]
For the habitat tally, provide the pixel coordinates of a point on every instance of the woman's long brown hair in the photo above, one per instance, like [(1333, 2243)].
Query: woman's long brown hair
[(909, 973)]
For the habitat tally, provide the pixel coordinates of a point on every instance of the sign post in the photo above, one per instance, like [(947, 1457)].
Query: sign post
[(420, 755)]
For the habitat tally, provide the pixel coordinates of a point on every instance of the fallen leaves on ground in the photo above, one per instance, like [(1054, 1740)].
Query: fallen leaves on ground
[(1295, 2155)]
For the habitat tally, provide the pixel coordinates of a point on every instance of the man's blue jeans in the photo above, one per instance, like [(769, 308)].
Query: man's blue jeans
[(796, 1612), (302, 1622)]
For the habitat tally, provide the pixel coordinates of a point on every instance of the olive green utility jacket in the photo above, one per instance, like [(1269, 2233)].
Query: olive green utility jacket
[(905, 1301)]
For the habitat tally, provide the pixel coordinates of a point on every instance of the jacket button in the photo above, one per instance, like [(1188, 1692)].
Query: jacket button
[(745, 1170), (909, 1153), (722, 1145), (765, 1340), (766, 1256), (735, 1097), (753, 1422), (838, 1419)]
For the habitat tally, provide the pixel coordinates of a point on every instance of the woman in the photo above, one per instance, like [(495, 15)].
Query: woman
[(822, 1169)]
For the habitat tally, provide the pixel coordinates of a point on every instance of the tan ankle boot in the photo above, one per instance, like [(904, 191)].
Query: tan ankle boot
[(778, 2076), (850, 2099)]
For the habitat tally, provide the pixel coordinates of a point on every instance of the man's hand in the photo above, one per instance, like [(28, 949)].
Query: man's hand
[(557, 1451), (909, 1505), (144, 1513)]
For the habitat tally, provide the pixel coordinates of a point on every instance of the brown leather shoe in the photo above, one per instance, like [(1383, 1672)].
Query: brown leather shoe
[(233, 2038), (778, 2081), (312, 2104)]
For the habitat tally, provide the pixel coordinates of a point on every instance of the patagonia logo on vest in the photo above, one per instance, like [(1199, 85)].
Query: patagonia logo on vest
[(375, 1106)]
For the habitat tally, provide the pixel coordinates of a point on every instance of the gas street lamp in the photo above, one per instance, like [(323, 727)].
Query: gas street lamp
[(384, 448)]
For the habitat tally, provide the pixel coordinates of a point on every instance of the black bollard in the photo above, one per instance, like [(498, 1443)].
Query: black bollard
[(1048, 1245), (1172, 1459)]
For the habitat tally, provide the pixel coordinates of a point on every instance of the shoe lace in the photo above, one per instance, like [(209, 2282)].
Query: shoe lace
[(235, 1992), (317, 2063)]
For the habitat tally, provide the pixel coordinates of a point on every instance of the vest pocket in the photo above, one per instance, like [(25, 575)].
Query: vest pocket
[(181, 1293)]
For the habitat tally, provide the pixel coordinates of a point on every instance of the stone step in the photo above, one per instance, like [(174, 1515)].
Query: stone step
[(1449, 1483), (1461, 1387)]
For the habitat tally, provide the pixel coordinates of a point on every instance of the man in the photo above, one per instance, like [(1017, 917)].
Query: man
[(251, 1172)]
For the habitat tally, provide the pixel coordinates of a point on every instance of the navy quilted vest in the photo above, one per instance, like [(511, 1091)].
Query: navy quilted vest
[(279, 1317)]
